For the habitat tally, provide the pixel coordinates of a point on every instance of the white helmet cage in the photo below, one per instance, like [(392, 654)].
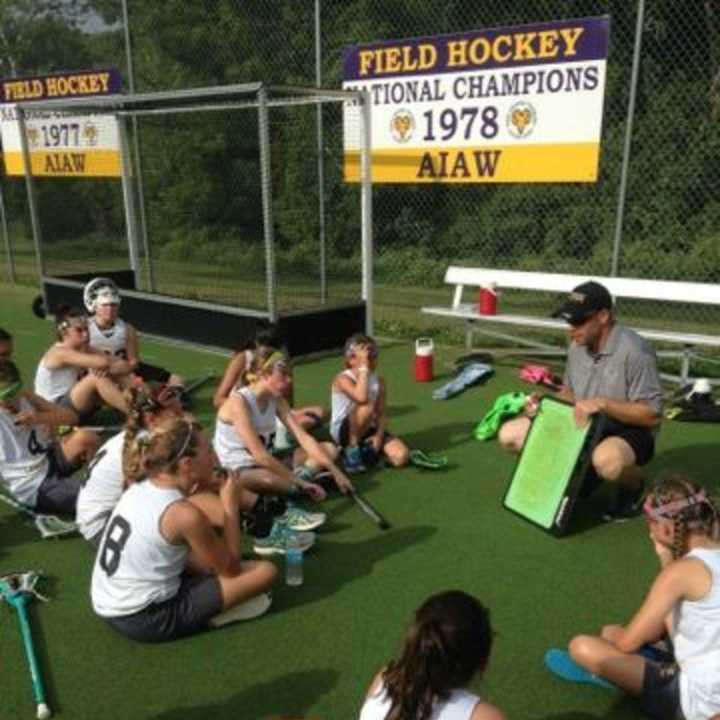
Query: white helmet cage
[(100, 291)]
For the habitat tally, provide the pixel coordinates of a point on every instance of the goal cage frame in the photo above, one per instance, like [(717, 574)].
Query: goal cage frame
[(311, 330)]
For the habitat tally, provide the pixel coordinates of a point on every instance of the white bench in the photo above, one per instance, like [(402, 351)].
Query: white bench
[(654, 290)]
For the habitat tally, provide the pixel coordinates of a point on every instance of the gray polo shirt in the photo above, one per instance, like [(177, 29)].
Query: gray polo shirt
[(625, 369)]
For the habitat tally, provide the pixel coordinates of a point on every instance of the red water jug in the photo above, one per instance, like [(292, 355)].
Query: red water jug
[(487, 300), (424, 360)]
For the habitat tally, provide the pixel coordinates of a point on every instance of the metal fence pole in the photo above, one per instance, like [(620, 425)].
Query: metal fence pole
[(320, 160), (366, 211), (136, 152), (129, 201), (622, 192), (6, 236), (32, 199), (266, 189)]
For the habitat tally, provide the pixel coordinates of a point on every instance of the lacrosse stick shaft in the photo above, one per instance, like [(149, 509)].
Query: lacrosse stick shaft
[(369, 510), (198, 382), (15, 504), (20, 605)]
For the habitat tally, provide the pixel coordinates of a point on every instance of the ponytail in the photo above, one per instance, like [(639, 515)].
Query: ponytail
[(448, 642), (140, 400), (265, 360)]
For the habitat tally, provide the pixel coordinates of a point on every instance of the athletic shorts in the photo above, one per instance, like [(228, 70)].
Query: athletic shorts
[(152, 373), (198, 599), (344, 434), (660, 696), (640, 439), (58, 492)]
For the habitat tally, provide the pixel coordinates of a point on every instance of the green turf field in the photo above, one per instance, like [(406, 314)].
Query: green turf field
[(315, 652)]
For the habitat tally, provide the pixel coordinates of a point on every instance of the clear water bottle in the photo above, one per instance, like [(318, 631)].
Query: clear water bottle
[(293, 561)]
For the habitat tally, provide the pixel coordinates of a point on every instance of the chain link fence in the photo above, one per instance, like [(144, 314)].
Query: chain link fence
[(199, 182)]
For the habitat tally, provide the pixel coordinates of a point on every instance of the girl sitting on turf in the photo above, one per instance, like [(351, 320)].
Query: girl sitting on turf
[(683, 602), (113, 336), (447, 645), (72, 375), (244, 439), (113, 466), (35, 469), (266, 335), (359, 410), (156, 537)]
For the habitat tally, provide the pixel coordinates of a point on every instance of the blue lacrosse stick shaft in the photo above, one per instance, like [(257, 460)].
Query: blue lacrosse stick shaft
[(19, 601)]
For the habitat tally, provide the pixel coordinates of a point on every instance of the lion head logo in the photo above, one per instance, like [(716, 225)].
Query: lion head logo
[(521, 119), (402, 126), (32, 135), (90, 133)]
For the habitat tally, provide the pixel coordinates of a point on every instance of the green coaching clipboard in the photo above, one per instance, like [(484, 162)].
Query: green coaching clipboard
[(550, 470)]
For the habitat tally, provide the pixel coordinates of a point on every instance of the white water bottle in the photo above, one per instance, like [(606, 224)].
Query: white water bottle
[(293, 561)]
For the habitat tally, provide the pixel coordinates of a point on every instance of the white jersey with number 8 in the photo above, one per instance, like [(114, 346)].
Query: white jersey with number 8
[(135, 565)]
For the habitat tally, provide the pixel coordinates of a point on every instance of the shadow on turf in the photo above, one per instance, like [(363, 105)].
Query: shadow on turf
[(440, 438), (625, 708), (697, 461), (349, 561), (287, 696), (16, 529)]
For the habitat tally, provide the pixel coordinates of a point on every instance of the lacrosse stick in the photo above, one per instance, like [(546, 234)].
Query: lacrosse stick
[(47, 525), (196, 384), (16, 590)]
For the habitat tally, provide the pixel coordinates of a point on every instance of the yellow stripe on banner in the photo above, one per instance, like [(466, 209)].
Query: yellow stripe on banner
[(67, 163), (565, 162)]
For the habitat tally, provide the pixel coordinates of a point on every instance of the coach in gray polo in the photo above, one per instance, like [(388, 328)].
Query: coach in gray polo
[(611, 370)]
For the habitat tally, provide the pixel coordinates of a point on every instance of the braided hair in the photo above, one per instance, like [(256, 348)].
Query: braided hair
[(448, 642), (675, 497), (140, 400)]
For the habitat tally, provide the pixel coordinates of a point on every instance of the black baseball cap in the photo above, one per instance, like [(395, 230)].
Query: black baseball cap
[(585, 300)]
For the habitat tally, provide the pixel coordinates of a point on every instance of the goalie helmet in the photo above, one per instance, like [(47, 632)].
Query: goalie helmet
[(100, 291)]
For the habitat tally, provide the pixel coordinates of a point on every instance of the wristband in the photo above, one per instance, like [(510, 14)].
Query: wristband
[(363, 369)]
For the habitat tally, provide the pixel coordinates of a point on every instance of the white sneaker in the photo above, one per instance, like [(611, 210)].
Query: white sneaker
[(252, 608), (277, 541), (301, 520)]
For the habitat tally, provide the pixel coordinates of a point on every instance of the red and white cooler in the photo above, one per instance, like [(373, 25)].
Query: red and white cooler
[(424, 349)]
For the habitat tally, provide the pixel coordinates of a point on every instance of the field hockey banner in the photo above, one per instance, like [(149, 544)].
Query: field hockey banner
[(61, 144), (511, 104)]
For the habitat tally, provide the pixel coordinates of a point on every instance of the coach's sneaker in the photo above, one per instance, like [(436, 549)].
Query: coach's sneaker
[(276, 542), (300, 520), (627, 505), (252, 608), (353, 461)]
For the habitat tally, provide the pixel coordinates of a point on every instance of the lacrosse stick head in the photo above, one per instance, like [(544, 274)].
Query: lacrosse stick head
[(16, 587)]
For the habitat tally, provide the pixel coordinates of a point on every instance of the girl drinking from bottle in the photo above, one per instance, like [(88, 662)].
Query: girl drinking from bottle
[(359, 410), (447, 645), (683, 603)]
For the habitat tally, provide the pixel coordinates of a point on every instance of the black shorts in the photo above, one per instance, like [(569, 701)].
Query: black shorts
[(198, 599), (641, 440), (152, 373), (58, 492), (660, 696), (344, 434)]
